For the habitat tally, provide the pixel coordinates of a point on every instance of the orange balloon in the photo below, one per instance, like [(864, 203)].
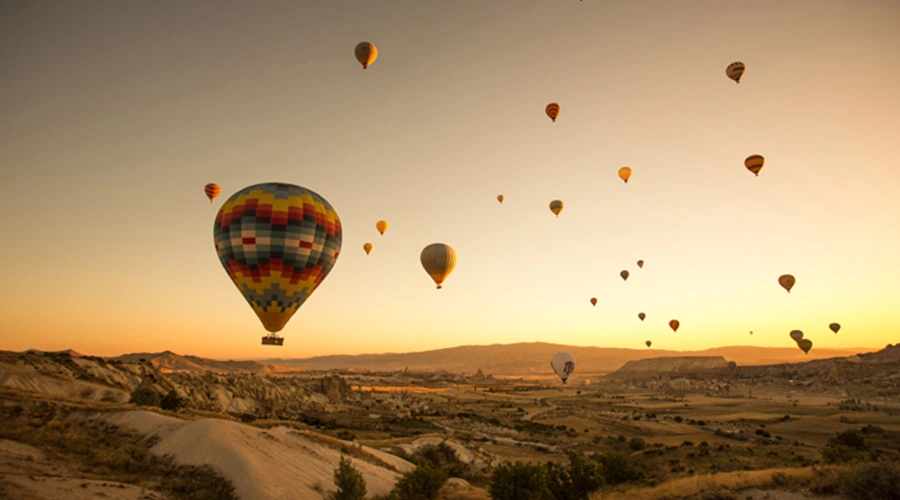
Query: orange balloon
[(594, 301), (552, 110), (212, 190), (674, 324)]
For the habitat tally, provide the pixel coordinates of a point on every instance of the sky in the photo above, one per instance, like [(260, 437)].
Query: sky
[(116, 114)]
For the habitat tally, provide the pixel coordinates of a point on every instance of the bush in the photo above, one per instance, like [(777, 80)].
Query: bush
[(852, 439), (519, 481), (145, 396), (575, 482), (171, 401), (637, 444), (878, 481), (350, 483), (422, 483), (616, 467), (444, 458)]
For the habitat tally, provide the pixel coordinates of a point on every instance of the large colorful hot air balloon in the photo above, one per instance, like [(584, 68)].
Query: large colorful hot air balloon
[(438, 260), (212, 190), (680, 386), (642, 316), (625, 174), (674, 324), (594, 301), (754, 163), (277, 242), (563, 364), (556, 207), (797, 335), (834, 327), (624, 274), (365, 53), (640, 264), (735, 71), (381, 226), (805, 345), (787, 281), (367, 247), (500, 198), (648, 343), (552, 110)]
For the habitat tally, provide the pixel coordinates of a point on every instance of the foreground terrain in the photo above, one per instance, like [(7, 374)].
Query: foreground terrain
[(261, 432)]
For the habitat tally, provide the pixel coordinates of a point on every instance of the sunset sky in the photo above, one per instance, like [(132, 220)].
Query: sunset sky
[(114, 115)]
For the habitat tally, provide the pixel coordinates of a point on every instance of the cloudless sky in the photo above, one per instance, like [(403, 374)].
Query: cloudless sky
[(114, 115)]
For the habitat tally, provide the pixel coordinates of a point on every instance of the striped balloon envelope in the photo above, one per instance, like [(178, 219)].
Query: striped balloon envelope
[(212, 190), (754, 163), (552, 110), (277, 242)]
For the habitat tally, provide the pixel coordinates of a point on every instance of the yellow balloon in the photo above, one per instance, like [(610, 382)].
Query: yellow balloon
[(438, 259), (381, 226), (556, 207), (365, 53), (625, 173)]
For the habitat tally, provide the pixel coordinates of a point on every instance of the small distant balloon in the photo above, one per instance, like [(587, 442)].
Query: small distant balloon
[(552, 110), (212, 190), (648, 343), (735, 71), (624, 274), (642, 316), (381, 226), (805, 345), (594, 301), (834, 327), (754, 163), (625, 174), (797, 335), (674, 324), (500, 198), (556, 207), (787, 281), (563, 364), (365, 53), (438, 259), (640, 264), (367, 247)]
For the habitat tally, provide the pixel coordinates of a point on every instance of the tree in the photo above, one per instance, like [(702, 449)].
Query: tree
[(144, 395), (519, 481), (350, 483), (171, 401), (422, 483)]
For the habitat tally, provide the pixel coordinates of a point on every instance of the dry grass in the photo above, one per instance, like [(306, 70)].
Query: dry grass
[(687, 487)]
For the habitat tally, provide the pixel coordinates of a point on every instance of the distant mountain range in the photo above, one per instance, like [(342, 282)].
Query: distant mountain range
[(532, 358)]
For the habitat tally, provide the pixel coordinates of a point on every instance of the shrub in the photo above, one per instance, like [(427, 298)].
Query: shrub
[(616, 467), (350, 483), (144, 396), (575, 482), (422, 483), (637, 444), (878, 481), (171, 401), (852, 439), (443, 457), (519, 481)]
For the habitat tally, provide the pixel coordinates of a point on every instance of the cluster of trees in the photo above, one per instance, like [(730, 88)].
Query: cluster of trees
[(422, 483), (144, 395)]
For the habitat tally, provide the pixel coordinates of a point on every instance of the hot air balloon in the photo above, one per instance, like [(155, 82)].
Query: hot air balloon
[(751, 332), (680, 386), (642, 316), (563, 364), (365, 53), (367, 247), (805, 345), (674, 324), (640, 264), (754, 163), (735, 71), (594, 301), (624, 275), (556, 207), (625, 174), (212, 190), (277, 242), (500, 198), (786, 281), (648, 343), (438, 260), (381, 226), (797, 335), (552, 110), (834, 327)]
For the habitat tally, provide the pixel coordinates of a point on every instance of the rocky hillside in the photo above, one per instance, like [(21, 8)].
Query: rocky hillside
[(168, 361), (673, 365)]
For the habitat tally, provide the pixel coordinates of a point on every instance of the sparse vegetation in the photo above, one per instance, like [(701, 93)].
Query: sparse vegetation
[(349, 482), (422, 483)]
